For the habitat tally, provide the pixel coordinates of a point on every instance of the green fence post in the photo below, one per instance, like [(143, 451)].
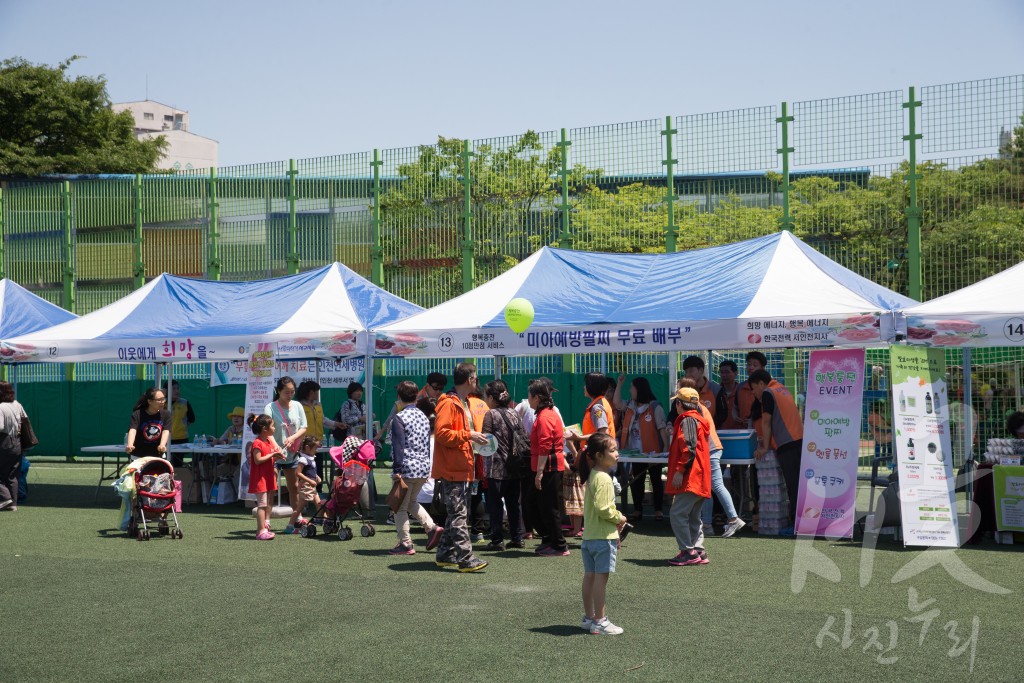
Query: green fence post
[(376, 249), (913, 211), (3, 273), (468, 264), (565, 238), (139, 268), (786, 222), (68, 272), (293, 224), (213, 230), (671, 230)]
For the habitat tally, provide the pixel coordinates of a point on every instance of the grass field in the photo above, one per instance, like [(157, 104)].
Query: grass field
[(82, 602)]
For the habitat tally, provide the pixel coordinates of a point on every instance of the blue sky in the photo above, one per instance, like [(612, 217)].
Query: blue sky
[(278, 80)]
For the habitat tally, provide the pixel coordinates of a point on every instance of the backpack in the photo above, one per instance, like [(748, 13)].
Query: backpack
[(519, 453)]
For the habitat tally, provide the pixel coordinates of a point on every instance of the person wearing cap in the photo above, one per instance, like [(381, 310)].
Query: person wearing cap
[(689, 478), (237, 417)]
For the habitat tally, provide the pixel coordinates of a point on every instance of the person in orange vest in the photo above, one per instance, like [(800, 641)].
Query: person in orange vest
[(693, 367), (477, 513), (453, 469), (783, 430), (722, 494), (644, 429), (598, 419), (689, 478)]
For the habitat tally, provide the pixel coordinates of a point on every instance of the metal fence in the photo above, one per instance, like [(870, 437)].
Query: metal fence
[(921, 191)]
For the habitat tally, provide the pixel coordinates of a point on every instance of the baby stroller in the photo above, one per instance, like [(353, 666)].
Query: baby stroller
[(153, 499), (353, 459)]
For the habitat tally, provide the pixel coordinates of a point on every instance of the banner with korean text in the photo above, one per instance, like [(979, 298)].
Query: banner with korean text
[(332, 373), (826, 504), (259, 391), (924, 455)]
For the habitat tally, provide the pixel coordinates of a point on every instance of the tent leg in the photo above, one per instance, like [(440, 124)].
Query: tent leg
[(368, 372), (673, 372), (968, 419)]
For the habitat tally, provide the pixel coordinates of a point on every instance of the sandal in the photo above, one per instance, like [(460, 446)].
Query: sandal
[(636, 517), (659, 517)]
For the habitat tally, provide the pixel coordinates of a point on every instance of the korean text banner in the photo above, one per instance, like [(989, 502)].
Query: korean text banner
[(332, 373), (923, 453), (259, 391), (827, 501)]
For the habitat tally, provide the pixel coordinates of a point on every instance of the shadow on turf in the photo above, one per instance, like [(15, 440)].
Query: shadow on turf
[(560, 630)]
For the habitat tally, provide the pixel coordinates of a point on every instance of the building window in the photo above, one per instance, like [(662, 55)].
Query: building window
[(168, 117), (148, 116)]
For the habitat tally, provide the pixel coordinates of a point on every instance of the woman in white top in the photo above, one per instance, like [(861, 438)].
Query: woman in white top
[(290, 426)]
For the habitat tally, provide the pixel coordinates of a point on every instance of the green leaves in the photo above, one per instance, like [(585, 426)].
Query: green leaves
[(55, 124)]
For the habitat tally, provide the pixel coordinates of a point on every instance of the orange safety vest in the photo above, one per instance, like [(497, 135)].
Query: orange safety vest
[(588, 423), (745, 401), (651, 440), (707, 393), (696, 479), (787, 425), (714, 443), (477, 408)]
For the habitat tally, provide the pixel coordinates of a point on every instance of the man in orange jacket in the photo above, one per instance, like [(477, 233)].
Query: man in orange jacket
[(454, 436)]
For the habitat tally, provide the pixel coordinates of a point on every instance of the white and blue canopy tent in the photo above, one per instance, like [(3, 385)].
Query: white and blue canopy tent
[(22, 312), (769, 292), (322, 313), (989, 313)]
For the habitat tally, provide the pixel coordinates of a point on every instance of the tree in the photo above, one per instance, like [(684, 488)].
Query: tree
[(514, 190), (52, 123)]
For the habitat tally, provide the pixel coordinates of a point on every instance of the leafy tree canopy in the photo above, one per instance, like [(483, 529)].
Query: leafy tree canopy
[(52, 123)]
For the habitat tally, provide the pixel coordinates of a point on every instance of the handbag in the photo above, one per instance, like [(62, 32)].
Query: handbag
[(519, 455), (27, 435), (395, 498)]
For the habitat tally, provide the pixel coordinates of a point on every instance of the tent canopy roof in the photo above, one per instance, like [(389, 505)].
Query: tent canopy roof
[(22, 312), (324, 305)]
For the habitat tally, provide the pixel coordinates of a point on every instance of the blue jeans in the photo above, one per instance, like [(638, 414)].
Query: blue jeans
[(719, 490)]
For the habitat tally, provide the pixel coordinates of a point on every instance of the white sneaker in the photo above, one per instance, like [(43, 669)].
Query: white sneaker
[(586, 622), (605, 628), (732, 527)]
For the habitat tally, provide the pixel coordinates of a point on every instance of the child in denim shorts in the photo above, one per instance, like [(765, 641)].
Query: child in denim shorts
[(601, 524)]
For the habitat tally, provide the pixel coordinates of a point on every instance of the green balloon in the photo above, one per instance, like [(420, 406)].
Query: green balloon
[(519, 315)]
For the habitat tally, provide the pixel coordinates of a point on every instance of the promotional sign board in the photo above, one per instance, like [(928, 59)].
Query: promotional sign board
[(827, 501), (924, 454), (332, 373), (1009, 489), (259, 391)]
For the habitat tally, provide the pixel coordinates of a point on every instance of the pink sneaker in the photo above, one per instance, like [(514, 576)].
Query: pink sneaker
[(435, 537), (685, 559), (402, 550), (265, 535)]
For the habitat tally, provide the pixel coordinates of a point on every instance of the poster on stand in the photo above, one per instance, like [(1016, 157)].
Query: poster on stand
[(1008, 481), (924, 456), (827, 500), (332, 373), (259, 391)]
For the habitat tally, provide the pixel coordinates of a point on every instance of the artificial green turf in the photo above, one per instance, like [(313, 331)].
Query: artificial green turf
[(82, 602)]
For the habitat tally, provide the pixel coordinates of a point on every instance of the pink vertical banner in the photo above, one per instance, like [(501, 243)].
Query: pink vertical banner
[(827, 502), (259, 392)]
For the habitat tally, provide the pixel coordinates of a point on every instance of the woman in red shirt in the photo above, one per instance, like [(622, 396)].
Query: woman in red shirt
[(547, 462)]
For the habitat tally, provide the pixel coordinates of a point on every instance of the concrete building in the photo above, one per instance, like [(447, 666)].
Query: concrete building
[(185, 150)]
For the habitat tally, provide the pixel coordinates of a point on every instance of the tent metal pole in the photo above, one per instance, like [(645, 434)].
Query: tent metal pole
[(368, 372), (498, 360), (673, 371), (968, 422)]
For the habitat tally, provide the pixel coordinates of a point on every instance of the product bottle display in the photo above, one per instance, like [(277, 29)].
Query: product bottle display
[(903, 402), (928, 403)]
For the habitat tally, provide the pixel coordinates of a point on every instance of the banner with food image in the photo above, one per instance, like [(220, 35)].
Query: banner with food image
[(986, 330), (924, 455), (827, 500)]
